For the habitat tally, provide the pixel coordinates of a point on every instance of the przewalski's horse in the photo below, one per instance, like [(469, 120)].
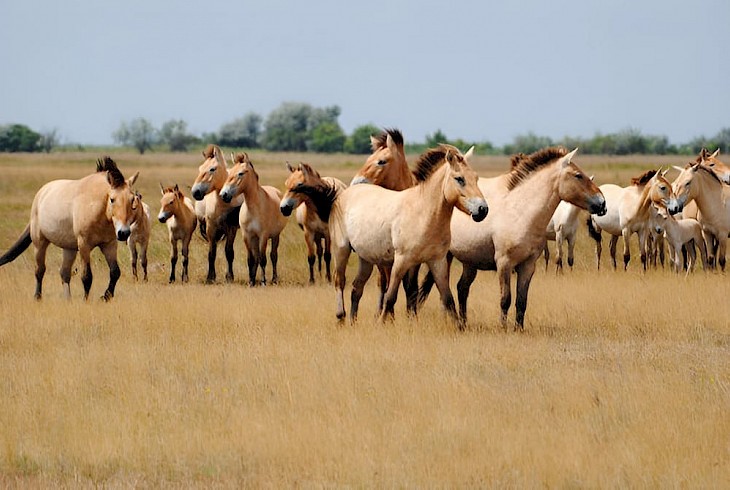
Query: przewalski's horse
[(307, 192), (628, 213), (512, 237), (697, 182), (400, 229), (563, 226), (721, 169), (216, 218), (178, 213), (388, 168), (680, 233), (78, 216), (260, 219), (140, 235)]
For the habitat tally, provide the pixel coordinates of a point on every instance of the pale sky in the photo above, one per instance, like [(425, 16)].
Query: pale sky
[(481, 70)]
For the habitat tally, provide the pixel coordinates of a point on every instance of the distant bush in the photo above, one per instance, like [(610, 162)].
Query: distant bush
[(18, 137)]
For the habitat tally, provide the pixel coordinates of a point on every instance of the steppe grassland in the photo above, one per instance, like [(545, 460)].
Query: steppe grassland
[(620, 379)]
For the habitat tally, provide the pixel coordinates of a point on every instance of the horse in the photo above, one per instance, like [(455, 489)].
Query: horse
[(140, 235), (513, 235), (681, 233), (260, 219), (216, 218), (700, 183), (178, 213), (628, 213), (78, 216), (305, 189), (400, 229), (563, 226)]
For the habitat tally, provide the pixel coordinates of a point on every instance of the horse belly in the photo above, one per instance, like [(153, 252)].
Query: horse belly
[(371, 240), (52, 217), (472, 243)]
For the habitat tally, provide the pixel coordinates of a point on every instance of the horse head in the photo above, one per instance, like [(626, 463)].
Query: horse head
[(387, 166), (660, 192), (461, 184), (683, 187), (301, 179), (212, 173), (171, 198), (577, 188), (240, 176), (721, 170), (122, 202)]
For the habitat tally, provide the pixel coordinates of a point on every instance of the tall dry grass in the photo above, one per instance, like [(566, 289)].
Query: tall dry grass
[(620, 379)]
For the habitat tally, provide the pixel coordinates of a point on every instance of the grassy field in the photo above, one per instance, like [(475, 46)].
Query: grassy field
[(620, 379)]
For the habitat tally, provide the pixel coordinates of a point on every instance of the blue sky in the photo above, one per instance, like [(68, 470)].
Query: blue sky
[(475, 70)]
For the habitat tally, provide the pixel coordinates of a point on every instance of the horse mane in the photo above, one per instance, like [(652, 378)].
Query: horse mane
[(209, 152), (525, 165), (395, 135), (241, 158), (644, 178), (321, 193), (106, 164), (431, 160)]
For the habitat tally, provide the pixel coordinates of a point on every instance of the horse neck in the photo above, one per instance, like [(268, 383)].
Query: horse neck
[(181, 212), (320, 198), (645, 200), (405, 177), (432, 196), (709, 198), (537, 197), (252, 191)]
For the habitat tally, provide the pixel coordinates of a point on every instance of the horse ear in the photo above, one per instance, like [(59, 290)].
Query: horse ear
[(565, 161), (374, 145), (665, 172), (391, 144), (162, 189), (677, 168), (133, 179), (592, 177), (219, 156), (289, 168), (714, 155), (176, 189), (469, 153), (233, 158)]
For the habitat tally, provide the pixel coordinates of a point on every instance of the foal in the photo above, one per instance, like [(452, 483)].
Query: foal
[(140, 235), (178, 213)]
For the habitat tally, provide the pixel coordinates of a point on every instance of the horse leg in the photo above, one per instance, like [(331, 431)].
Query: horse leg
[(327, 257), (86, 276), (410, 288), (69, 256), (627, 247), (383, 280), (525, 272), (274, 255), (185, 254), (341, 256), (559, 249), (440, 270), (365, 269), (173, 259), (660, 249), (428, 282), (721, 250), (40, 265), (309, 240), (133, 255), (320, 252), (212, 250), (504, 273), (144, 260), (263, 245), (546, 253), (399, 269), (468, 274), (230, 254), (710, 244), (612, 244), (571, 249), (643, 246), (253, 263), (110, 254)]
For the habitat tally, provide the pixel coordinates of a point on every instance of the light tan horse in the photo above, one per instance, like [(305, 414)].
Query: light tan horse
[(512, 237), (697, 182), (681, 233), (721, 169), (78, 216), (260, 219), (305, 191), (628, 211), (140, 236), (217, 219), (178, 213), (405, 228)]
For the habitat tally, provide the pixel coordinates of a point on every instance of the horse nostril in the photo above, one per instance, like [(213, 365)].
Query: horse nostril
[(122, 235), (285, 209)]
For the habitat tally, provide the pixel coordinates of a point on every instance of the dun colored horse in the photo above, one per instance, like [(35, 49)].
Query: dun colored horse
[(78, 216), (216, 218), (140, 235), (681, 233), (402, 229), (305, 191), (178, 213), (563, 226), (260, 219), (699, 183), (513, 235), (628, 212)]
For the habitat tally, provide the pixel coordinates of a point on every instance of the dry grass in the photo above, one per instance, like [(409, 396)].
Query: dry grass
[(620, 379)]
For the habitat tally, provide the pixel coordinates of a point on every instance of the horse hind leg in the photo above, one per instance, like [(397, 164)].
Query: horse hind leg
[(504, 274), (274, 256), (110, 254), (468, 275), (546, 254), (173, 260), (309, 239), (133, 257), (69, 256), (525, 272), (230, 253), (612, 245), (440, 270), (40, 267), (365, 269), (410, 287), (144, 261)]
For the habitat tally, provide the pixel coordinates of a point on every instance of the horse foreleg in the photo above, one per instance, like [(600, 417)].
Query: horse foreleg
[(627, 247), (468, 274), (263, 245), (341, 255), (524, 276), (86, 276), (144, 260), (212, 250), (185, 254), (110, 254), (320, 252), (309, 240), (546, 253), (440, 270), (173, 259), (274, 255), (643, 247), (253, 263), (612, 244), (559, 249), (40, 266), (327, 257), (69, 256), (365, 269), (133, 257), (410, 288), (399, 269), (230, 254), (721, 250), (504, 273), (383, 280)]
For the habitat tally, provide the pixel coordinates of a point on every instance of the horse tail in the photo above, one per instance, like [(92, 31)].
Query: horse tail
[(592, 231), (18, 247)]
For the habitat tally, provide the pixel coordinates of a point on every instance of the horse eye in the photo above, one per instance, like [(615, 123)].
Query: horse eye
[(712, 165), (240, 174), (579, 176), (212, 169), (381, 162), (460, 180), (111, 200)]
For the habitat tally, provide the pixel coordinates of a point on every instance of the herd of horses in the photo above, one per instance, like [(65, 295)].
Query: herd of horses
[(393, 218)]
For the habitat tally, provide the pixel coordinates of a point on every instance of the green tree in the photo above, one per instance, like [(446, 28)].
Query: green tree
[(527, 143), (327, 137), (140, 134), (244, 132), (174, 133), (18, 137), (286, 127), (435, 139), (359, 141)]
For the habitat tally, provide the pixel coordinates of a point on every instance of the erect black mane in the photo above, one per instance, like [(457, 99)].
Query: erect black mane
[(106, 164)]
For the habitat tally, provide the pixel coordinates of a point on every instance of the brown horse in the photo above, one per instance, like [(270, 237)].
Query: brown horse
[(260, 219), (78, 216), (402, 229), (305, 190), (140, 236), (216, 218), (513, 235), (178, 212)]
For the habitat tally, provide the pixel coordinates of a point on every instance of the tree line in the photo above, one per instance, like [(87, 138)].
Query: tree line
[(301, 127)]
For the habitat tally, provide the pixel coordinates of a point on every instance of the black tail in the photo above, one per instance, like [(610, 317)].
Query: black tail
[(18, 247), (592, 231)]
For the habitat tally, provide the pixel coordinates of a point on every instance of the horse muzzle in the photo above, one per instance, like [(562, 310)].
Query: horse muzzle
[(163, 217), (675, 206), (226, 195), (286, 207), (199, 191), (478, 209), (598, 206), (123, 234)]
